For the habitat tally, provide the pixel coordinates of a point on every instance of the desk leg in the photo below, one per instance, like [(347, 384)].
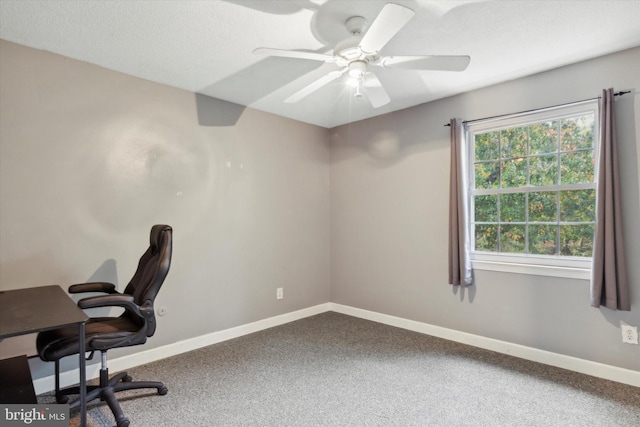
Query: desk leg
[(83, 379)]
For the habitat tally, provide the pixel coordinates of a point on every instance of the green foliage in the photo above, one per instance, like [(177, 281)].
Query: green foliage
[(513, 173), (487, 238), (523, 220), (513, 207), (486, 208), (543, 206), (512, 238), (577, 167), (486, 175), (577, 133), (576, 240), (543, 138), (513, 143), (578, 206), (543, 239), (543, 170)]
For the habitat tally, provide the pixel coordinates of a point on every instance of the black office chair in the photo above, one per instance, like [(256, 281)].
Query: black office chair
[(132, 327)]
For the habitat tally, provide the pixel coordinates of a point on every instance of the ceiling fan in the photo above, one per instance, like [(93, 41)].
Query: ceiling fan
[(357, 53)]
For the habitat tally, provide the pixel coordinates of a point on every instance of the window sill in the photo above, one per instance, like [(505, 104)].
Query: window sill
[(531, 268)]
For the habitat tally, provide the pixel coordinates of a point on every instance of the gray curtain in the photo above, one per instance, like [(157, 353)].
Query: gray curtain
[(460, 272), (609, 284)]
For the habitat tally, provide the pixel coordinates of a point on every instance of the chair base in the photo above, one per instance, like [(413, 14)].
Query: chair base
[(106, 391)]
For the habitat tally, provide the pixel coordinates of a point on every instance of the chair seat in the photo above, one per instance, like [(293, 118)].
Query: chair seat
[(55, 344)]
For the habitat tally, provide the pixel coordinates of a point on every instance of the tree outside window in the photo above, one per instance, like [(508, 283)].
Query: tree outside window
[(533, 183)]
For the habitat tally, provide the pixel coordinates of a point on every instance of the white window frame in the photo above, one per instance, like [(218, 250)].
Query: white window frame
[(544, 265)]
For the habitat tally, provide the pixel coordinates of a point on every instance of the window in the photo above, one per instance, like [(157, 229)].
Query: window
[(532, 185)]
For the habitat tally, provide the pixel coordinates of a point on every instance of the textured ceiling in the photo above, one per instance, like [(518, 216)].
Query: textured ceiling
[(206, 46)]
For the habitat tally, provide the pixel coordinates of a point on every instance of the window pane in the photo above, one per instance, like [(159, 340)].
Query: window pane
[(486, 208), (512, 238), (513, 142), (512, 207), (543, 138), (487, 146), (577, 133), (542, 239), (513, 173), (487, 175), (544, 170), (578, 205), (576, 240), (543, 206), (577, 167), (487, 238)]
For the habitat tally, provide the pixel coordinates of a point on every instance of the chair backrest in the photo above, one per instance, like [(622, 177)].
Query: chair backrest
[(153, 268)]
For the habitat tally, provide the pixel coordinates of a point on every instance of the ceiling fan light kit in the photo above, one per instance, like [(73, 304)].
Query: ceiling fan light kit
[(357, 69), (356, 53)]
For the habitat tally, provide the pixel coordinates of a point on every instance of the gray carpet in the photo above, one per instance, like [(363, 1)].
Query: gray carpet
[(337, 370)]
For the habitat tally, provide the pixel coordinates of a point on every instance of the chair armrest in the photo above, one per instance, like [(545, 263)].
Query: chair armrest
[(106, 287), (119, 300)]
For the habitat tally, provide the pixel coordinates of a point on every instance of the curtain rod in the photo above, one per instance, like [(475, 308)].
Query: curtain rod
[(536, 109)]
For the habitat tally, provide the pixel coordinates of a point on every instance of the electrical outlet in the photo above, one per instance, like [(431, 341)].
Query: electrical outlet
[(279, 293), (629, 333)]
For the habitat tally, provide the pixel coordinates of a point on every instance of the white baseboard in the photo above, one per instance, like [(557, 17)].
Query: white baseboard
[(45, 384), (600, 370), (613, 373)]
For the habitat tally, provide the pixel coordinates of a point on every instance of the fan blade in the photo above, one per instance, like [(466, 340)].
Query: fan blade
[(375, 92), (391, 19), (436, 62), (297, 54), (308, 90)]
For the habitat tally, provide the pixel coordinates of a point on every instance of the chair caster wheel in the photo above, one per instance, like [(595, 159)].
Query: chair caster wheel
[(62, 399), (162, 391), (124, 423), (127, 379)]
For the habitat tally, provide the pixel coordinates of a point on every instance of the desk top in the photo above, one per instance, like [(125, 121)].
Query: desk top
[(24, 311)]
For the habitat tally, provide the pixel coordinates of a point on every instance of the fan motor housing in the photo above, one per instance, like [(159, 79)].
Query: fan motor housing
[(348, 49), (357, 69)]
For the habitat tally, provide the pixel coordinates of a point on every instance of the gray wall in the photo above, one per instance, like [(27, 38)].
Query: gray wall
[(389, 205), (90, 159)]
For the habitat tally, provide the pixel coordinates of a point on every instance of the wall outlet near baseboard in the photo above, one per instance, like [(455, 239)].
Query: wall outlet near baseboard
[(629, 333), (279, 293)]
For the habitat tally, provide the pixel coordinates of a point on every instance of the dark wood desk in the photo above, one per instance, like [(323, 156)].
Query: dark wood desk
[(30, 310)]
